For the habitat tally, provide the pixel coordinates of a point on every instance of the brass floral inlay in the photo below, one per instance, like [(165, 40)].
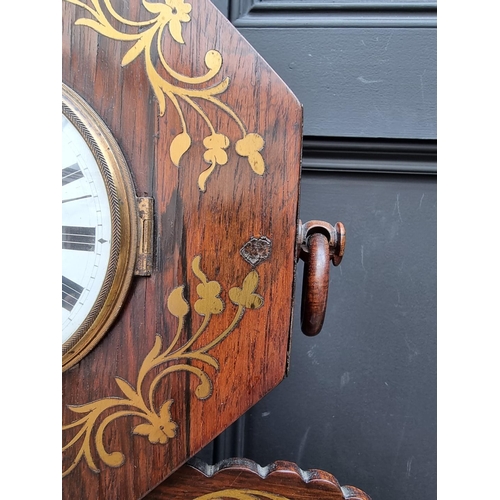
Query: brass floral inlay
[(241, 495), (170, 16), (137, 401)]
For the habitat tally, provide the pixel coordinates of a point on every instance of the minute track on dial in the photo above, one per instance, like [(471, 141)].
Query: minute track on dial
[(100, 220)]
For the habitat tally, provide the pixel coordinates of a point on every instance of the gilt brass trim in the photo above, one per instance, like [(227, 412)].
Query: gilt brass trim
[(119, 186)]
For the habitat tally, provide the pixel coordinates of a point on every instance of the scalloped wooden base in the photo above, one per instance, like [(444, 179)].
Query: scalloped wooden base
[(242, 479)]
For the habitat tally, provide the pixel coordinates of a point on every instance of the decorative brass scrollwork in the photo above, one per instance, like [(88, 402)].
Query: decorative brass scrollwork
[(137, 401), (170, 16)]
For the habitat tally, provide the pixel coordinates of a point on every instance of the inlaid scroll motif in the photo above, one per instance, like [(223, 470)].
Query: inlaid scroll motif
[(236, 494), (167, 19), (158, 425)]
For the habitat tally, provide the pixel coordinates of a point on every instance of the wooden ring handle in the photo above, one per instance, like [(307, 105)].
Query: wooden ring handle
[(315, 284)]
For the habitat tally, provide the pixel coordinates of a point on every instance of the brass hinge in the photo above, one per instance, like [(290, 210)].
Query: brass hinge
[(144, 261)]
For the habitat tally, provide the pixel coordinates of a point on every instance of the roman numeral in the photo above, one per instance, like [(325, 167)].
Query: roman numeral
[(71, 292), (78, 238), (71, 174)]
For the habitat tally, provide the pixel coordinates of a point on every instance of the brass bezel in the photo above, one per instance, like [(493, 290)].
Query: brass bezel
[(124, 217)]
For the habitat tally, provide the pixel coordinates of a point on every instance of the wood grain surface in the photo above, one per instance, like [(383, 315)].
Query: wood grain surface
[(243, 479), (209, 227), (315, 285)]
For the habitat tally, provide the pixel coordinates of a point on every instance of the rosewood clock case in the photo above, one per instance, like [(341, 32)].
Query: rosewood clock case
[(212, 136)]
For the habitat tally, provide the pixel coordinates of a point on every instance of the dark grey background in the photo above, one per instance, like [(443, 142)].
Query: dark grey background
[(360, 399)]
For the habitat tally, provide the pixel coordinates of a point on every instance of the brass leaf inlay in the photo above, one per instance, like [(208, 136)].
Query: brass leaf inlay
[(137, 400), (237, 494), (169, 17)]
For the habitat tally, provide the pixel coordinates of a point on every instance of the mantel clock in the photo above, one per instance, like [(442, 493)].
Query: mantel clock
[(180, 177)]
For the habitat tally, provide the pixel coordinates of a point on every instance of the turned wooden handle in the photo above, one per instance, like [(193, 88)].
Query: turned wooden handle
[(315, 284)]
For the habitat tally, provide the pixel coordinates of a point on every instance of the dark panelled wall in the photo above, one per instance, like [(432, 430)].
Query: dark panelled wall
[(360, 398)]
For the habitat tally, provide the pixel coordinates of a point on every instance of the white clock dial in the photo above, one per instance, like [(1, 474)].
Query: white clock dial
[(99, 228), (86, 230)]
